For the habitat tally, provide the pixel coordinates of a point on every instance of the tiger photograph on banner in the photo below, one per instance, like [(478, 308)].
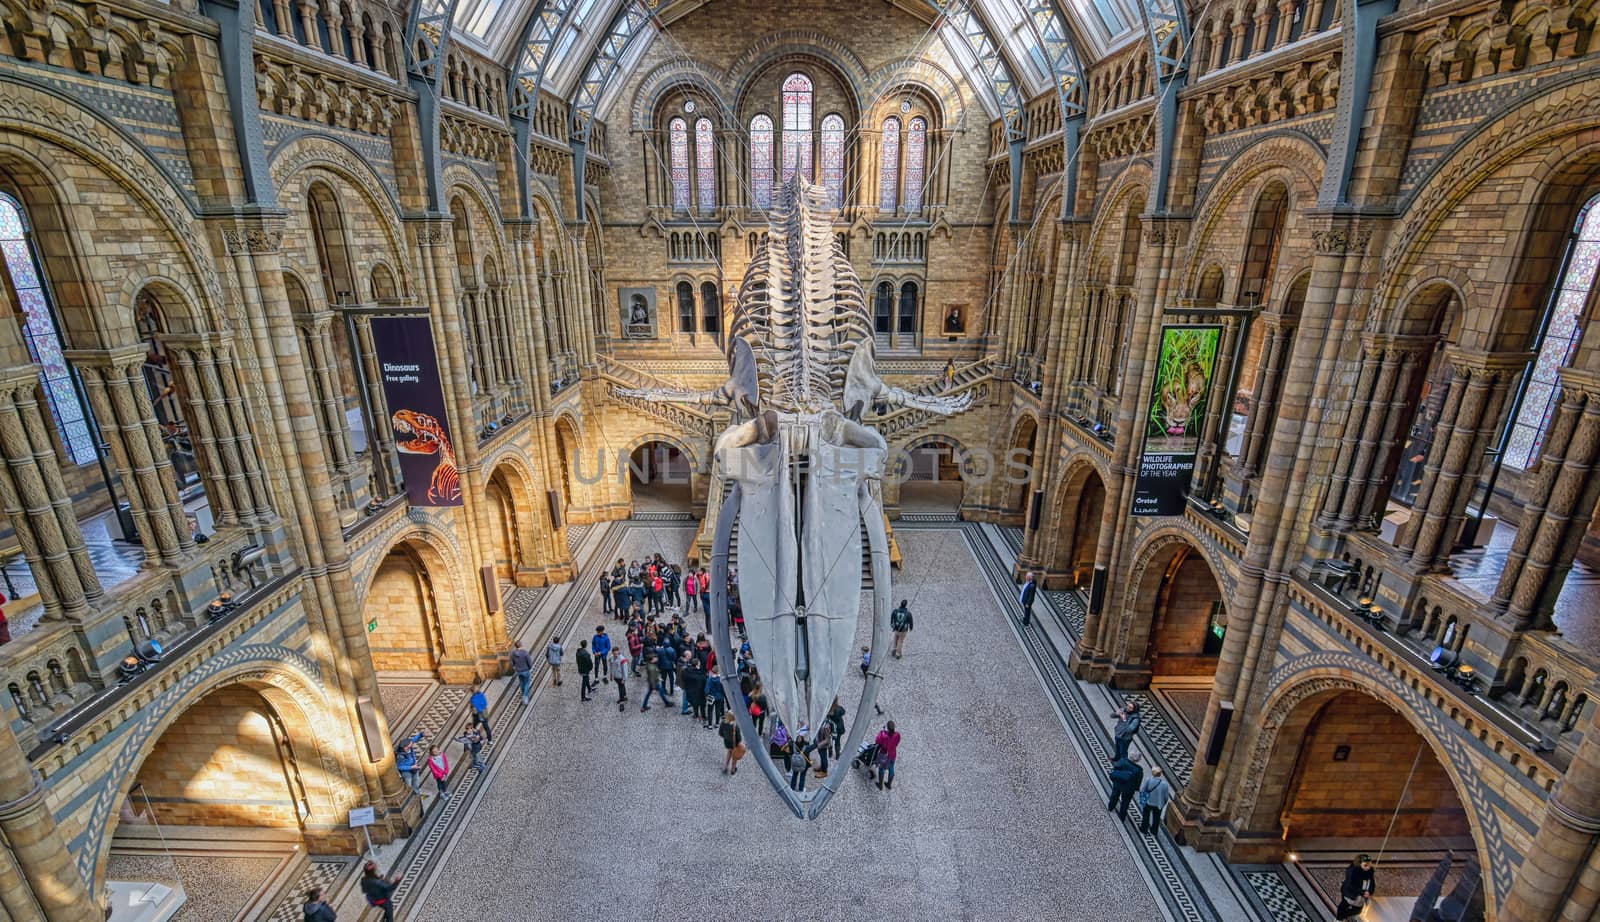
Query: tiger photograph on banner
[(415, 399)]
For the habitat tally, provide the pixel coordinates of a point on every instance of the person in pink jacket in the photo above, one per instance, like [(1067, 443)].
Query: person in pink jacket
[(888, 749), (439, 766)]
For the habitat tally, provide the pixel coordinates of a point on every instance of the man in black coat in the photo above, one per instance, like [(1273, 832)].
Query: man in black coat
[(1126, 776)]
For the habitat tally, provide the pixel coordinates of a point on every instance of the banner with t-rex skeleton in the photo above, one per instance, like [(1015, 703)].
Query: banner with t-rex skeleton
[(1177, 411), (415, 401)]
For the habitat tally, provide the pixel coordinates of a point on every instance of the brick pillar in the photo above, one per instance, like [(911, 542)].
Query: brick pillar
[(33, 840), (37, 504), (224, 480), (529, 309), (1039, 546), (1472, 415), (1557, 878), (1218, 404), (235, 469), (1264, 396), (1555, 501), (1377, 410)]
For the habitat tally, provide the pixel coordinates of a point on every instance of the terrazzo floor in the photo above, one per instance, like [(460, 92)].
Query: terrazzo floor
[(217, 885), (592, 813)]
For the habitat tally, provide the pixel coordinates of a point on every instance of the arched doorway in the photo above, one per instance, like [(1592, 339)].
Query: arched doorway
[(1081, 505), (1350, 775), (236, 778), (1178, 620), (402, 611), (932, 481), (502, 499), (660, 477), (1016, 471)]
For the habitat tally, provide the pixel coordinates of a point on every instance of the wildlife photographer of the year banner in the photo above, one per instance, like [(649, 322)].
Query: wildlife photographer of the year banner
[(415, 399), (1173, 420)]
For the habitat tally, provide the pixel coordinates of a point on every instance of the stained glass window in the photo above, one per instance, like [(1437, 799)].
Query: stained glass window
[(797, 126), (916, 157), (678, 138), (889, 166), (705, 164), (39, 329), (833, 159), (1560, 339), (761, 161)]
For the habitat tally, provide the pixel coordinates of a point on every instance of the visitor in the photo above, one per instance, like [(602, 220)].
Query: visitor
[(674, 580), (1026, 597), (552, 655), (601, 645), (836, 722), (866, 660), (316, 909), (822, 743), (1153, 796), (607, 604), (408, 761), (635, 647), (653, 683), (705, 592), (758, 709), (667, 659), (472, 742), (619, 589), (480, 710), (799, 764), (780, 749), (888, 751), (522, 665), (439, 767), (619, 675), (731, 744), (585, 667), (901, 623), (691, 590), (1356, 891), (1126, 775), (379, 890), (694, 686), (658, 592), (1127, 727), (716, 701)]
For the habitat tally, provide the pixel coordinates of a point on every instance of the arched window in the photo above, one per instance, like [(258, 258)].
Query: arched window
[(685, 307), (916, 157), (908, 309), (39, 329), (1560, 338), (883, 309), (797, 126), (889, 166), (710, 310), (761, 161), (678, 160), (833, 159), (705, 164)]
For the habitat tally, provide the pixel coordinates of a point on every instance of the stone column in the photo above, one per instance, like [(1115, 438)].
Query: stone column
[(1218, 405), (385, 465), (530, 312), (116, 388), (1388, 363), (1556, 501), (330, 409), (223, 477), (1557, 879), (37, 505), (1472, 412), (221, 374), (33, 839), (1264, 397)]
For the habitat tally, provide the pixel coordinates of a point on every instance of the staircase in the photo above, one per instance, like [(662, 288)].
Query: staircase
[(973, 379), (619, 377)]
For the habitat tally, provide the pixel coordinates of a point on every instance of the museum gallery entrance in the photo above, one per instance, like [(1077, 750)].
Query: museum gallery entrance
[(660, 476)]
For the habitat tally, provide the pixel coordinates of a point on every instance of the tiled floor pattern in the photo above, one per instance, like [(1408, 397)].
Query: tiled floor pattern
[(520, 603), (1577, 608), (1277, 894), (217, 886), (114, 562), (558, 825), (319, 872), (575, 536), (399, 694)]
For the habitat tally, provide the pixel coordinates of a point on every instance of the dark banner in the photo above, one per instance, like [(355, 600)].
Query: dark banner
[(415, 398), (1178, 406)]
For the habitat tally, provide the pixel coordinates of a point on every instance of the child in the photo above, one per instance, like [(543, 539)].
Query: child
[(472, 741), (866, 661), (439, 767)]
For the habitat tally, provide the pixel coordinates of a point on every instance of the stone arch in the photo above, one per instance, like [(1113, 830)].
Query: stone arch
[(514, 507), (1322, 676), (301, 158), (1167, 607), (775, 47), (928, 76), (425, 620), (288, 682), (1079, 508), (675, 77), (1016, 465)]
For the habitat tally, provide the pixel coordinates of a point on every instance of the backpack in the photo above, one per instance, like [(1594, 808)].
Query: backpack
[(898, 619)]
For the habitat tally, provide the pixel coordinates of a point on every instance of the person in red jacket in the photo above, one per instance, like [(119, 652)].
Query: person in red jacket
[(888, 750)]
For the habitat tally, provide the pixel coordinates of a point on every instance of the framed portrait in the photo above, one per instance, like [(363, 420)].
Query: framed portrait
[(954, 320)]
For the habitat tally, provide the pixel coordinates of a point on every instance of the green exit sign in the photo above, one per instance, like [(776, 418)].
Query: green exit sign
[(372, 625)]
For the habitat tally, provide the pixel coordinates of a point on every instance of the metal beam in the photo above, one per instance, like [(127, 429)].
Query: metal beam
[(606, 61), (539, 35), (1072, 87), (985, 50), (427, 45), (1168, 33), (236, 49), (1360, 36)]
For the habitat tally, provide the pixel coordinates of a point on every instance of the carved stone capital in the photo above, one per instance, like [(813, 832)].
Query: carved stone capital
[(1392, 345), (253, 239), (122, 358), (1339, 241), (1487, 366), (1580, 383), (523, 231)]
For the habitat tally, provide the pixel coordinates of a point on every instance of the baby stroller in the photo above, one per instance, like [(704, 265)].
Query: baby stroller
[(866, 757)]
